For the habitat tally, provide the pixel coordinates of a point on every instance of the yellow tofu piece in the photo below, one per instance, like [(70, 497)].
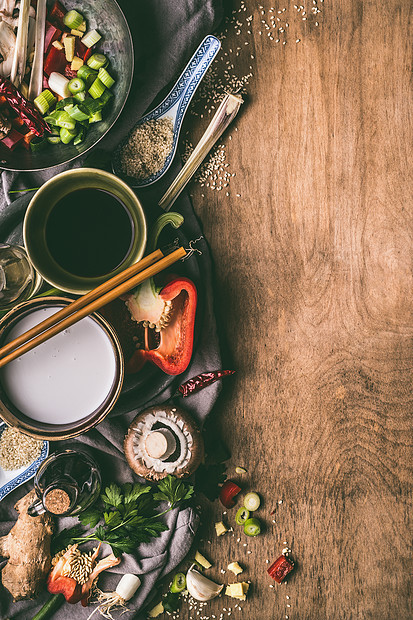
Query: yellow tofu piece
[(245, 587), (156, 611), (82, 26), (220, 528), (235, 568), (235, 590), (202, 560), (58, 45), (76, 63), (76, 33), (69, 43)]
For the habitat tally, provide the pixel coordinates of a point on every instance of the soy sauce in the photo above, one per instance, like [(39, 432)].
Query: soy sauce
[(89, 232)]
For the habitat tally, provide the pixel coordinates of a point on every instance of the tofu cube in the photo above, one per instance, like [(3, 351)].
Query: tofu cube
[(69, 43), (156, 611), (235, 568), (202, 560), (220, 528)]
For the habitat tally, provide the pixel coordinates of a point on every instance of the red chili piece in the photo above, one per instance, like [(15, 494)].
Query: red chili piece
[(24, 108), (228, 491), (55, 61), (280, 568), (56, 15), (200, 381)]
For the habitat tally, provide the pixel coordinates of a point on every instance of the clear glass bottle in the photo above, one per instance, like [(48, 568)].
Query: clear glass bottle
[(66, 483), (18, 279)]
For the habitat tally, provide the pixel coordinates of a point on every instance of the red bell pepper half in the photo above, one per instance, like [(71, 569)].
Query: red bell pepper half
[(177, 337), (56, 14), (55, 61), (52, 34)]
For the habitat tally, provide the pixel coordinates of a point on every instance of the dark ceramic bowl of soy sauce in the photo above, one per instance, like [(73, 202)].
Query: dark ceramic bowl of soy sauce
[(83, 227), (116, 43)]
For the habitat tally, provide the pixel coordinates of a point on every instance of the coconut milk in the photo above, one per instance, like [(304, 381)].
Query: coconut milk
[(64, 379)]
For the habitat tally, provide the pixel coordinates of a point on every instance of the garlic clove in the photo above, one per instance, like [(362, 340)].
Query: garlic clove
[(201, 588)]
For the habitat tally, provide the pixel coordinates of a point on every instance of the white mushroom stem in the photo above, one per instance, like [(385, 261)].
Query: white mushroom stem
[(160, 444), (7, 47), (20, 52)]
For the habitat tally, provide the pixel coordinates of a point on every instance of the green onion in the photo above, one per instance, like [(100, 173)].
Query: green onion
[(64, 120), (178, 583), (76, 85), (105, 77), (67, 135), (93, 105), (38, 144), (84, 72), (53, 139), (64, 102), (73, 19), (96, 61), (80, 136), (95, 117), (91, 38), (79, 113), (80, 96), (52, 118), (68, 107), (105, 97), (44, 101), (97, 89)]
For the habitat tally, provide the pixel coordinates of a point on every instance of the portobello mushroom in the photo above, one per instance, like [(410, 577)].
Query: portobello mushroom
[(163, 440)]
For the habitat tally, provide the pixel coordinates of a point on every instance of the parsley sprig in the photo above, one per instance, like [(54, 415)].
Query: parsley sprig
[(125, 516)]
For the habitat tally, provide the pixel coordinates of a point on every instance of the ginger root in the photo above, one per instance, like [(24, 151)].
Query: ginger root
[(27, 546)]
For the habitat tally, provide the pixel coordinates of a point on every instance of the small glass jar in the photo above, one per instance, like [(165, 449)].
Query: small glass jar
[(18, 279), (66, 483)]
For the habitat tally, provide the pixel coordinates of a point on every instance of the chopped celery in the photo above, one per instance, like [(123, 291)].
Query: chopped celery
[(38, 143), (96, 61), (105, 97), (91, 38), (105, 77), (67, 135), (73, 19), (53, 139), (76, 85), (97, 89), (44, 101), (93, 105)]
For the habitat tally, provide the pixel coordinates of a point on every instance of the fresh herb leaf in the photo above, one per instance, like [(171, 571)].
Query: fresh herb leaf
[(112, 519), (112, 496), (173, 491), (132, 492), (90, 517)]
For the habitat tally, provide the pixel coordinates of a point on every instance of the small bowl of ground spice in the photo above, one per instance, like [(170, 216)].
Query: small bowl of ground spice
[(20, 457)]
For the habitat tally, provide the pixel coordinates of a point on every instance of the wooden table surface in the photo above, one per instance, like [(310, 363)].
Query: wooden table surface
[(312, 241)]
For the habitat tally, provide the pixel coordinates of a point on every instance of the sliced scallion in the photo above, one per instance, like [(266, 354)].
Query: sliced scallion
[(52, 118), (80, 96), (58, 83), (73, 19), (38, 143), (105, 77), (105, 97), (79, 113), (44, 101), (76, 85), (96, 61), (97, 89), (91, 38), (93, 105), (53, 139), (80, 136), (95, 117), (64, 102), (64, 120), (67, 135)]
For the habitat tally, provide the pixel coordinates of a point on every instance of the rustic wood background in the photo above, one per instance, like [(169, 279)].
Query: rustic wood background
[(314, 293)]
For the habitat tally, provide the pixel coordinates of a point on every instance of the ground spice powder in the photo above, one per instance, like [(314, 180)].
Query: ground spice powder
[(147, 148), (17, 449)]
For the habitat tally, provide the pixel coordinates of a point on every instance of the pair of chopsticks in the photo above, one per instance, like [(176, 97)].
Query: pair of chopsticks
[(83, 306)]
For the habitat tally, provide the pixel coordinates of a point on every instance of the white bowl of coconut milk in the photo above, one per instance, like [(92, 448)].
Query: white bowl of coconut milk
[(66, 385)]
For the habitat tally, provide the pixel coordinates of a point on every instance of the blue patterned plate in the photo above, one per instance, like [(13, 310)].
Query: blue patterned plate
[(10, 480)]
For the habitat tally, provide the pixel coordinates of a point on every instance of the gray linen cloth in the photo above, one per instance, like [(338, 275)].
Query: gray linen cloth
[(165, 34)]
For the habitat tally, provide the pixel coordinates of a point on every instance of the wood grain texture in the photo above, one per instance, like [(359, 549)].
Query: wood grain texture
[(314, 283)]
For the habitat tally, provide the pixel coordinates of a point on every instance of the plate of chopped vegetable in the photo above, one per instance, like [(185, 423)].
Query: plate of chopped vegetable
[(20, 456), (66, 74)]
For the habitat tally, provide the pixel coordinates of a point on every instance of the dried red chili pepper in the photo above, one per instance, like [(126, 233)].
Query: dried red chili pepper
[(228, 491), (199, 382), (24, 108), (280, 568)]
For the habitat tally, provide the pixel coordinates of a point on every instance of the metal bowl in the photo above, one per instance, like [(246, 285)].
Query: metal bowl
[(116, 43)]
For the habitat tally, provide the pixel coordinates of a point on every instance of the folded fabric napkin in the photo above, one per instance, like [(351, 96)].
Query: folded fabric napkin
[(165, 34)]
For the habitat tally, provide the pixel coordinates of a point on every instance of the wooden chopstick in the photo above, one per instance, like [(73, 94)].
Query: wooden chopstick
[(85, 305)]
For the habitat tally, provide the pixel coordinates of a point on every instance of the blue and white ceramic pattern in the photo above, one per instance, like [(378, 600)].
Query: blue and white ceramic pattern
[(10, 480), (176, 104)]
